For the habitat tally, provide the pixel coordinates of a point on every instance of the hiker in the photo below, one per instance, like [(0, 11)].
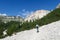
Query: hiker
[(37, 26)]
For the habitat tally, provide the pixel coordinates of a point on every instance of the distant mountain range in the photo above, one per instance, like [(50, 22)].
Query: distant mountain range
[(5, 18)]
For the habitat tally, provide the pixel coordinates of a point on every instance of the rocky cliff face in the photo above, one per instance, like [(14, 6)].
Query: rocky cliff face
[(37, 15), (58, 6)]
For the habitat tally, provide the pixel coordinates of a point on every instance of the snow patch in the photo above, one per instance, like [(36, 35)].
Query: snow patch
[(46, 32)]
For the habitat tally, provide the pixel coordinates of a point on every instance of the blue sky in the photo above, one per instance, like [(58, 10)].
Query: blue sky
[(23, 7)]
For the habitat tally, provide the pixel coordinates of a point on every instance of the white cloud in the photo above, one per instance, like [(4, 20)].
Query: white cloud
[(3, 14), (25, 13), (18, 15), (23, 10)]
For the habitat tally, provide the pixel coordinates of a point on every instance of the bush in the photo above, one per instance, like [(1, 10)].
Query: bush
[(12, 27), (2, 28)]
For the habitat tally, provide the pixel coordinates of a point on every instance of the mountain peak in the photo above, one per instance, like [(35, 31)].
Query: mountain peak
[(58, 6), (38, 14)]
